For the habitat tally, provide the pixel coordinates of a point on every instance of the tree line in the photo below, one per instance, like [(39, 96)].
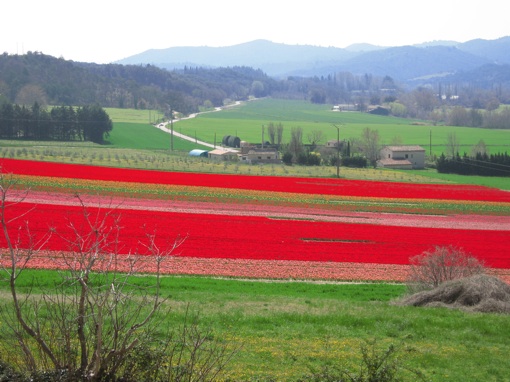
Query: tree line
[(62, 123), (482, 164), (35, 77)]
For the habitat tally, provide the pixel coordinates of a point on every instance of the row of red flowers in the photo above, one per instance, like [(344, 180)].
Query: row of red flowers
[(252, 269), (264, 183), (261, 238)]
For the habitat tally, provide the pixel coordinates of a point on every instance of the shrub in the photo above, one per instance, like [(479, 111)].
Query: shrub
[(357, 162), (432, 268), (376, 365), (287, 158)]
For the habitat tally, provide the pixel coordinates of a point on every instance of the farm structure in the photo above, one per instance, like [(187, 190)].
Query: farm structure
[(333, 143), (231, 141), (402, 157), (198, 153), (220, 154), (256, 154)]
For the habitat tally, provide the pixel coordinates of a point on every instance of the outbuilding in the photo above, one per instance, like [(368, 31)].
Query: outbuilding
[(198, 153)]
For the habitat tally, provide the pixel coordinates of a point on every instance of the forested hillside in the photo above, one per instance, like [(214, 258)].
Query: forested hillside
[(35, 77)]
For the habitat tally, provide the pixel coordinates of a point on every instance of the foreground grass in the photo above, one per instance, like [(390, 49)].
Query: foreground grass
[(285, 327)]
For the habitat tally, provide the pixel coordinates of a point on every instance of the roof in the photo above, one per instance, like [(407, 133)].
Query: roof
[(197, 152), (219, 152), (262, 151), (405, 148)]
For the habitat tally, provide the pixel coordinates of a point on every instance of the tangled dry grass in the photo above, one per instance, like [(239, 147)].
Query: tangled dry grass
[(478, 293)]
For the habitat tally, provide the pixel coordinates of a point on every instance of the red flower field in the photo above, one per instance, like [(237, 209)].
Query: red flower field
[(266, 183), (275, 241)]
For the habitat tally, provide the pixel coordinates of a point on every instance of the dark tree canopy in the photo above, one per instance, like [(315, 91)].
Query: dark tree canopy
[(62, 123)]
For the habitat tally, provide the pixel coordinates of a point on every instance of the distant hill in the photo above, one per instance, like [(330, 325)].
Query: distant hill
[(406, 63), (497, 51), (272, 58), (484, 77)]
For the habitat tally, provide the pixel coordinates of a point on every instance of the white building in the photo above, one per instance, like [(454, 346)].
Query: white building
[(402, 157)]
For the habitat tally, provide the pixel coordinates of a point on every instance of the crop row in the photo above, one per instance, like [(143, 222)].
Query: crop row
[(330, 186), (243, 196), (262, 238)]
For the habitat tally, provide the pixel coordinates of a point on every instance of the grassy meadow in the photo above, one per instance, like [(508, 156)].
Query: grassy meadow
[(284, 328)]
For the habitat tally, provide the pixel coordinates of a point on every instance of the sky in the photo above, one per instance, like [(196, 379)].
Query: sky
[(104, 31)]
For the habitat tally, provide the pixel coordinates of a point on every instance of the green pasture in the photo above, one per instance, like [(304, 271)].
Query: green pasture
[(286, 327), (134, 115), (146, 137), (247, 120)]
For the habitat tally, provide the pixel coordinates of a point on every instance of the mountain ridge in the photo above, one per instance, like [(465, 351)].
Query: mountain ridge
[(404, 63)]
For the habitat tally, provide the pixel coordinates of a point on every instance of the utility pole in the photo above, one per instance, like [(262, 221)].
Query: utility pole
[(337, 151), (430, 143), (171, 130)]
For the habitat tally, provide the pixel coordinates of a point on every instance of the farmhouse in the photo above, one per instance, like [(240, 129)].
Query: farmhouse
[(333, 143), (260, 155), (402, 157)]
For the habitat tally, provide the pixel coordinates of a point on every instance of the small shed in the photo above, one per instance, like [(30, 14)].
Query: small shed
[(198, 153)]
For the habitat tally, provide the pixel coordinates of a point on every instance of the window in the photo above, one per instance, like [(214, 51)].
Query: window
[(407, 156)]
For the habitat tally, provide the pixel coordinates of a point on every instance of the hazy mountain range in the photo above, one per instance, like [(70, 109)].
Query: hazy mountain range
[(415, 63)]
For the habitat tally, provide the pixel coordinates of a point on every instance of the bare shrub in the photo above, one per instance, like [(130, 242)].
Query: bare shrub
[(94, 324), (432, 268)]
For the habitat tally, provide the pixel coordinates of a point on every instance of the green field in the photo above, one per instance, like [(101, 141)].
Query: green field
[(141, 136), (286, 327), (246, 121)]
